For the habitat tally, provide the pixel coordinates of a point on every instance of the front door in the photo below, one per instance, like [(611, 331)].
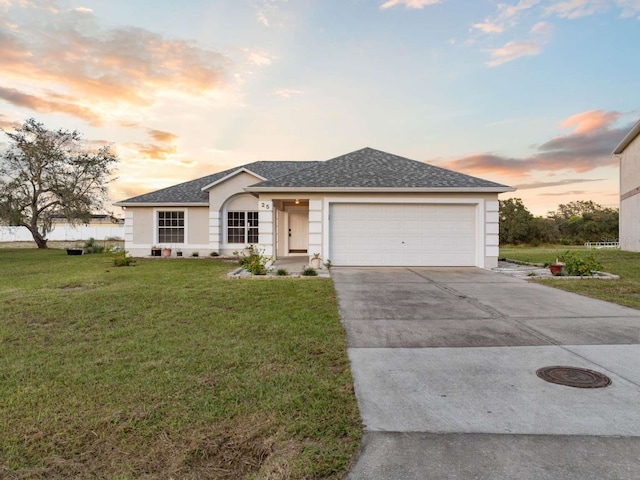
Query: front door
[(298, 230)]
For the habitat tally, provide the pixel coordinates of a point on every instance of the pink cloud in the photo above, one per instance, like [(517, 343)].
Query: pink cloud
[(98, 68), (589, 121), (580, 152), (512, 51), (161, 136), (45, 105)]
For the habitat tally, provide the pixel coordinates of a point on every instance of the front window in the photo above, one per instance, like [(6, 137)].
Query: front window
[(242, 227), (171, 227)]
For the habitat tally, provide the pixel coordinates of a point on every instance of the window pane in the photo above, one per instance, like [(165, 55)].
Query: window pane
[(242, 227), (236, 235), (171, 227)]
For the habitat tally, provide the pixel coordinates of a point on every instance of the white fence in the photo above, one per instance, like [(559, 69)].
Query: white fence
[(64, 233), (599, 245)]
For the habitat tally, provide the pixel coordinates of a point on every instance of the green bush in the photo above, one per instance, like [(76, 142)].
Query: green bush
[(309, 272), (282, 272), (195, 254), (252, 260), (214, 254), (121, 259), (90, 246), (576, 265)]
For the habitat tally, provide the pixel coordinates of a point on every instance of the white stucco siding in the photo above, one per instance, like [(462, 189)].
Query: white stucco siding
[(630, 167), (630, 224), (224, 197), (141, 230), (630, 197), (221, 192), (198, 233), (142, 224)]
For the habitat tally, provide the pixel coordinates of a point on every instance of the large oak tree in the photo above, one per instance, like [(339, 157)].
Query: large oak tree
[(51, 173)]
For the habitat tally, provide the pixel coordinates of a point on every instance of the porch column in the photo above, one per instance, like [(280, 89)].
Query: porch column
[(215, 228), (128, 230), (315, 227), (492, 234), (265, 227)]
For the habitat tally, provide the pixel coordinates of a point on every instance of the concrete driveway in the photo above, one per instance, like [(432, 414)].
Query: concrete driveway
[(444, 363)]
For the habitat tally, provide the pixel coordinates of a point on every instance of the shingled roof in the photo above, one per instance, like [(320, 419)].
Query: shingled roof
[(191, 192), (365, 169), (368, 169)]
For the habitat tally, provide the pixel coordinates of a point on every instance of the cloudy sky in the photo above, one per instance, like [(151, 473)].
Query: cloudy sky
[(531, 93)]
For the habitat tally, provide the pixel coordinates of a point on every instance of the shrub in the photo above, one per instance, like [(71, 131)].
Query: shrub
[(121, 259), (282, 272), (309, 272), (90, 246), (328, 264), (195, 254), (574, 264), (214, 254), (253, 261)]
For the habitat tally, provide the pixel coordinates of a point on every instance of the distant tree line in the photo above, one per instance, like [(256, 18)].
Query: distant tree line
[(573, 223)]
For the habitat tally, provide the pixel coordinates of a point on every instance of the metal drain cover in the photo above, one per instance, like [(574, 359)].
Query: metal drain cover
[(574, 377)]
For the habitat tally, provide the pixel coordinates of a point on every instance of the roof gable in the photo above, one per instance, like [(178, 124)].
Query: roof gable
[(231, 175), (373, 169), (192, 192)]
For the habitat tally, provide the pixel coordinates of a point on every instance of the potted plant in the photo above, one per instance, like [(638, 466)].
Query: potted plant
[(316, 261), (556, 268), (166, 252)]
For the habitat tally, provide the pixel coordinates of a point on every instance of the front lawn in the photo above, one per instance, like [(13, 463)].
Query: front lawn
[(625, 291), (169, 370)]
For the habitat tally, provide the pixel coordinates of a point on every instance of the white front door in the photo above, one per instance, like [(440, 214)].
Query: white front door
[(298, 230)]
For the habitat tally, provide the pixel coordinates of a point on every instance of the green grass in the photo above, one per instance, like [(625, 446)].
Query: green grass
[(169, 369), (625, 291)]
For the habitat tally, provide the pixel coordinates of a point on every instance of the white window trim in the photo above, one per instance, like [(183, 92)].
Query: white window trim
[(156, 226), (246, 228)]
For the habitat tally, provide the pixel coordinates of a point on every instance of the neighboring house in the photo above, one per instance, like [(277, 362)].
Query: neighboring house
[(628, 151), (365, 208)]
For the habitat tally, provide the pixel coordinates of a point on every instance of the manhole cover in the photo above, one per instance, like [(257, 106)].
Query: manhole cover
[(574, 377)]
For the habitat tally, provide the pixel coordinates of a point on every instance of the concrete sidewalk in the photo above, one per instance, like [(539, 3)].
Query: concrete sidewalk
[(444, 363)]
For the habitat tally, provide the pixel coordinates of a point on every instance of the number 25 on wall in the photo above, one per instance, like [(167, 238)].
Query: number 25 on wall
[(265, 206)]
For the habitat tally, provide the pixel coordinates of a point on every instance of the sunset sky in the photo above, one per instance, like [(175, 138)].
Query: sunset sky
[(534, 94)]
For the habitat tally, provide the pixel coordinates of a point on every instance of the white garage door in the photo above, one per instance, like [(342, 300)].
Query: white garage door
[(402, 234)]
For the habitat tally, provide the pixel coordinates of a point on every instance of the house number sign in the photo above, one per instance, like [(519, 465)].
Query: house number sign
[(265, 206)]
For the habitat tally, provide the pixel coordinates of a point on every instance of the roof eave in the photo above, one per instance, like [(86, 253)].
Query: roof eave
[(497, 189), (628, 138), (161, 204)]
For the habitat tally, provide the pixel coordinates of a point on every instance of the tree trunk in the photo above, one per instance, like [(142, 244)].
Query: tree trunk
[(41, 242)]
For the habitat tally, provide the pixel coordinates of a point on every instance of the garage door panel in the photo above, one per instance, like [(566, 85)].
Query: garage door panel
[(403, 234)]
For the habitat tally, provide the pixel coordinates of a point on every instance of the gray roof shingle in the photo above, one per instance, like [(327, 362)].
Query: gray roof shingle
[(366, 168), (370, 168), (191, 191)]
